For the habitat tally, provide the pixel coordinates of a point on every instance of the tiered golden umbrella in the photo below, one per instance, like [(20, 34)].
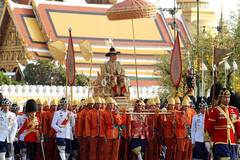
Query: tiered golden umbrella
[(86, 51), (132, 9), (57, 50)]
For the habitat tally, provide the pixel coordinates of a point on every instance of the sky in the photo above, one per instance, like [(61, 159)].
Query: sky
[(228, 6)]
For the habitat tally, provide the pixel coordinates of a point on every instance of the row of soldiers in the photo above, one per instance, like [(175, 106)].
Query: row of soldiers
[(100, 130)]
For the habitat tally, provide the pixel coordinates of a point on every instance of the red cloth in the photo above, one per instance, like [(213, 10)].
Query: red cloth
[(51, 131), (94, 123), (112, 121), (168, 122), (84, 149), (181, 122), (111, 149), (50, 148), (80, 127), (170, 143)]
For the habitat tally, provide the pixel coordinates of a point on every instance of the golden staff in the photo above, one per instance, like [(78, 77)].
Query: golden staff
[(66, 85)]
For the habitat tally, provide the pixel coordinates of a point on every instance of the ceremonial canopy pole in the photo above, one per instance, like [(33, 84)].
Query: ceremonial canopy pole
[(70, 65), (132, 9)]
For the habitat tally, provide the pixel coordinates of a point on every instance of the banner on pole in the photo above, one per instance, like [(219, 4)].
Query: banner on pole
[(176, 63), (70, 62)]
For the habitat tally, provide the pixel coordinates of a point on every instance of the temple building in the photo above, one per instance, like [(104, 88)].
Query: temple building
[(26, 29), (188, 9)]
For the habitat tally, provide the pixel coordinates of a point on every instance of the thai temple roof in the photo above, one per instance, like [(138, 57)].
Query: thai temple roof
[(46, 21)]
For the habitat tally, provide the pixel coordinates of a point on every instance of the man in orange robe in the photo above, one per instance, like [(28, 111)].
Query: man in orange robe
[(50, 147), (96, 131), (190, 112), (84, 132), (181, 130), (112, 124), (169, 126), (152, 151), (123, 149)]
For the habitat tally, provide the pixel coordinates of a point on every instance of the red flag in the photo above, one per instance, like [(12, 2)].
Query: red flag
[(176, 63), (70, 62)]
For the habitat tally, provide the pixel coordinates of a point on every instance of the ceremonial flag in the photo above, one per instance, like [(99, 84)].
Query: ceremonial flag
[(176, 63), (70, 62), (220, 55)]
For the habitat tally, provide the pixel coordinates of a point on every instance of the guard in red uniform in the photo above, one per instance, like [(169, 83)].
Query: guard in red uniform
[(223, 125), (31, 129)]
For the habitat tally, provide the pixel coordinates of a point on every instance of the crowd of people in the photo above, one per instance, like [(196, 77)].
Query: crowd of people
[(97, 129)]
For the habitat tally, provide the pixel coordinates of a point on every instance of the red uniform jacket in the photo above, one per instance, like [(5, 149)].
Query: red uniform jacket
[(31, 129), (220, 129)]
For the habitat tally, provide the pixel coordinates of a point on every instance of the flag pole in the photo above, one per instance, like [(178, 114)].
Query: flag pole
[(202, 77), (90, 77), (66, 85), (71, 95), (214, 78), (70, 66)]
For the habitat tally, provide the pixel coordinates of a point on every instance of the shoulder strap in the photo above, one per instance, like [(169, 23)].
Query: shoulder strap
[(227, 117)]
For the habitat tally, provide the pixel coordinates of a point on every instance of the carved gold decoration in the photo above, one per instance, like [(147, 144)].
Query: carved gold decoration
[(11, 49)]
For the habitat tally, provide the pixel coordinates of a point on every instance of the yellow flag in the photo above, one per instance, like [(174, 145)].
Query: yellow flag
[(86, 50)]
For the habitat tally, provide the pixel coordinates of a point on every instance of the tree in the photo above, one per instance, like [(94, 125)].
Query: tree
[(236, 54), (45, 72), (82, 80)]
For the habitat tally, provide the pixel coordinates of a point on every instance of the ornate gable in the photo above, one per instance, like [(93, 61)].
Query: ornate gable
[(11, 46)]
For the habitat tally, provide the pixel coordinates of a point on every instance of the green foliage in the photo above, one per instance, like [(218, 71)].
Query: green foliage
[(6, 80), (82, 80), (47, 73)]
